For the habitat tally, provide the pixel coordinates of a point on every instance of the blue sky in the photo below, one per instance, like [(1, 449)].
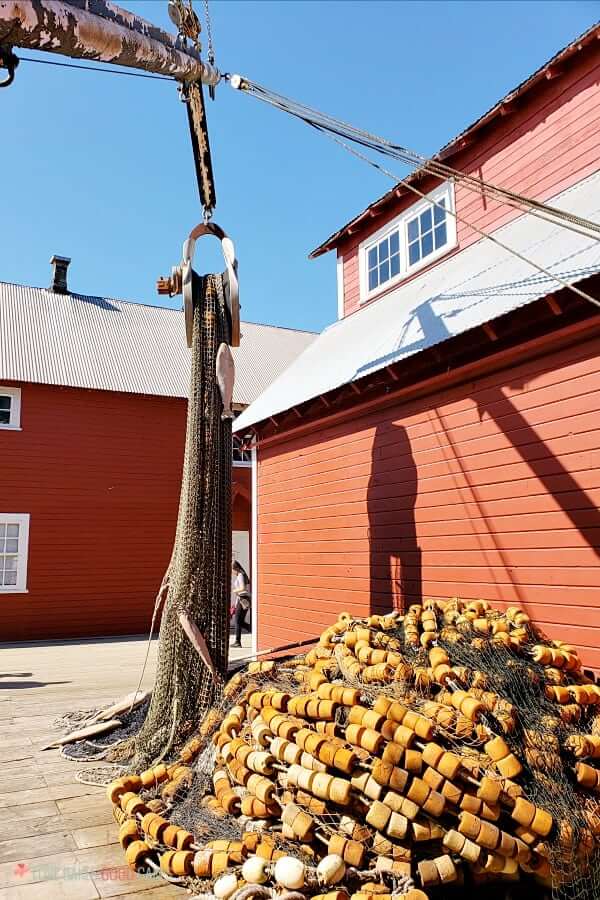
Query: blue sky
[(99, 167)]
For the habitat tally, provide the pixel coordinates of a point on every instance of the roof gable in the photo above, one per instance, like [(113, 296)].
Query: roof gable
[(458, 143), (468, 289)]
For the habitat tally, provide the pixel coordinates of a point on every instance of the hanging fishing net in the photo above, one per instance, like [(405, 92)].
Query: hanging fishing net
[(443, 753)]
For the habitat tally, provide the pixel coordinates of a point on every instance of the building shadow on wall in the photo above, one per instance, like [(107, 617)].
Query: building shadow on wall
[(395, 579), (558, 482)]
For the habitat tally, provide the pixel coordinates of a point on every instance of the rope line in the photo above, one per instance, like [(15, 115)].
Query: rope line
[(65, 65), (434, 167), (553, 277)]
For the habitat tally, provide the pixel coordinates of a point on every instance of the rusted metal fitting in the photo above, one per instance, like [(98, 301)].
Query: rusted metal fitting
[(171, 285)]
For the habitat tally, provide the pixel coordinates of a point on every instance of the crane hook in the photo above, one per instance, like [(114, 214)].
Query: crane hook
[(9, 61)]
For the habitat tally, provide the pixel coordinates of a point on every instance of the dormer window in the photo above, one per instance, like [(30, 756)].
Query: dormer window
[(384, 260), (414, 239), (427, 232)]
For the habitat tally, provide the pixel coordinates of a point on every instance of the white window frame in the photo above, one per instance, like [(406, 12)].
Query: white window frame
[(400, 223), (14, 393), (22, 520)]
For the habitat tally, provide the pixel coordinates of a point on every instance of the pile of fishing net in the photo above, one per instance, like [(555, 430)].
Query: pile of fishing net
[(441, 753)]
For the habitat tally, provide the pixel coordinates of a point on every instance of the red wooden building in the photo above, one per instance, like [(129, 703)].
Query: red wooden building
[(92, 428), (442, 438)]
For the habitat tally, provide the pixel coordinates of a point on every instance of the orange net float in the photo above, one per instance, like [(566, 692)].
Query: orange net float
[(588, 777), (261, 787), (254, 808), (191, 750), (398, 803), (177, 863), (352, 852), (132, 804), (387, 774), (154, 825), (266, 849), (230, 802), (366, 738), (451, 793), (505, 761), (345, 760), (412, 761), (128, 833), (239, 773), (367, 785), (116, 789), (137, 854), (398, 734), (360, 715), (393, 753), (286, 751), (301, 823), (378, 815), (338, 693), (433, 778), (434, 805)]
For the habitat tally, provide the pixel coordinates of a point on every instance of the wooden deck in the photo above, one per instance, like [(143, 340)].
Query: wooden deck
[(57, 836)]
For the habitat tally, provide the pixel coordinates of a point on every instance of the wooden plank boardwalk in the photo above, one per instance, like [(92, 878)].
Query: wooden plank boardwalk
[(57, 836)]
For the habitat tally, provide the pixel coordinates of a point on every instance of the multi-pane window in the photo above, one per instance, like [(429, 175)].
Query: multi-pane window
[(5, 409), (241, 454), (413, 239), (14, 534), (10, 407), (383, 260), (427, 232)]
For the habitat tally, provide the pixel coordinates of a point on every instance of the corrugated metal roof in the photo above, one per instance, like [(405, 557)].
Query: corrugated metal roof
[(474, 286), (456, 144), (76, 340)]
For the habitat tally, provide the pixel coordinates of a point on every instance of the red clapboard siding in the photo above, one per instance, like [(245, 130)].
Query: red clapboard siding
[(548, 142), (489, 489), (99, 472)]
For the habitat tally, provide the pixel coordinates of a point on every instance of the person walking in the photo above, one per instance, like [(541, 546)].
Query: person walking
[(242, 602)]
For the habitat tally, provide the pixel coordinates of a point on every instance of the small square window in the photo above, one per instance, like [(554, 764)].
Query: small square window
[(383, 260), (14, 539), (427, 232), (10, 407)]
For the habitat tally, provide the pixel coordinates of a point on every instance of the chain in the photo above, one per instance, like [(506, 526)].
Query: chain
[(209, 40)]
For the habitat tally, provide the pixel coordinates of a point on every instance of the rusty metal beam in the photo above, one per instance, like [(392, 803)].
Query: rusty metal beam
[(99, 30)]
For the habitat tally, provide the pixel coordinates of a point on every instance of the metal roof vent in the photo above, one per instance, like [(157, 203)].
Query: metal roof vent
[(59, 264)]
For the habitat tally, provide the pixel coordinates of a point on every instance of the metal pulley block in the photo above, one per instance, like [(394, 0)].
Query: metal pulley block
[(180, 280), (8, 61)]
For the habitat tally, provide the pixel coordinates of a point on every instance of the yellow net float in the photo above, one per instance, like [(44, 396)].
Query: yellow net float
[(352, 852), (137, 853), (367, 738), (177, 862), (128, 833)]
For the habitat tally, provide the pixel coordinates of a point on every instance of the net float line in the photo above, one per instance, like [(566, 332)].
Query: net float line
[(397, 756)]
